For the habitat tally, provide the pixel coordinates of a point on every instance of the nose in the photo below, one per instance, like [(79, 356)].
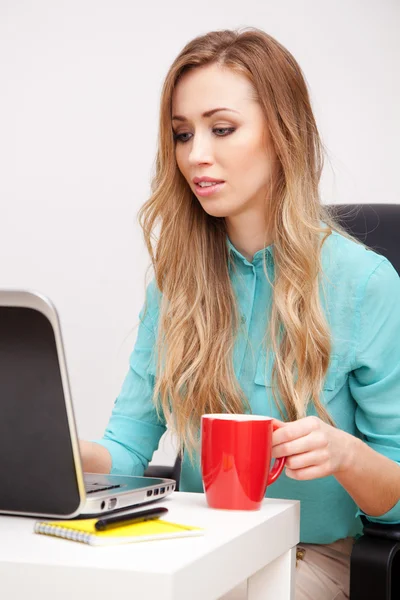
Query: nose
[(200, 151)]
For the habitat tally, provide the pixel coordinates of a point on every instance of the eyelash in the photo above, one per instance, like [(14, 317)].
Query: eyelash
[(178, 136)]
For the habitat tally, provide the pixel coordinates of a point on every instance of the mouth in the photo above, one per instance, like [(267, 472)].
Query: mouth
[(208, 188)]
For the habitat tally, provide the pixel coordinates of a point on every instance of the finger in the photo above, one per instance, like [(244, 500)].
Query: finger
[(303, 444), (315, 472), (277, 423), (296, 429), (307, 459)]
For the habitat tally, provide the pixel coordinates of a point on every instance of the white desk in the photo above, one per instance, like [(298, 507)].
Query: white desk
[(255, 546)]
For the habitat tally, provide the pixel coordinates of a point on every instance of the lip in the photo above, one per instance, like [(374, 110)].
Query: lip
[(209, 190), (197, 180)]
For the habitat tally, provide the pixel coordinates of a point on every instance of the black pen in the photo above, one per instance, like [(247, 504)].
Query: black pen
[(129, 519)]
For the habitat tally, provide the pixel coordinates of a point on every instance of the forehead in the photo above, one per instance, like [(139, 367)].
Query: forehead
[(205, 88)]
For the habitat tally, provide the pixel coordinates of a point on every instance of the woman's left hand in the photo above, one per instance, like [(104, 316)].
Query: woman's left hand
[(313, 448)]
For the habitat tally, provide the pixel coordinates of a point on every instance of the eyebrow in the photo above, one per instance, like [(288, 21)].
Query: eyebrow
[(208, 113)]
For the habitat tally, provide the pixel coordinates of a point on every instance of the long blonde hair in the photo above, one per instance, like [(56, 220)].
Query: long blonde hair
[(198, 321)]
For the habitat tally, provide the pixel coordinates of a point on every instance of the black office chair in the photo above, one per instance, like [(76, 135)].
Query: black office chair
[(375, 559)]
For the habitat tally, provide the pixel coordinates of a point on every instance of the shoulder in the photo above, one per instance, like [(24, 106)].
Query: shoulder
[(358, 287), (347, 263), (149, 313), (356, 280), (153, 295)]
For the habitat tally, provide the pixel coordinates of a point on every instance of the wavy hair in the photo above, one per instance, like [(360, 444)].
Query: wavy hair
[(199, 320)]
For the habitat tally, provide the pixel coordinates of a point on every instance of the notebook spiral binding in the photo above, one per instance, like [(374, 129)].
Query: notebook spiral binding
[(64, 532)]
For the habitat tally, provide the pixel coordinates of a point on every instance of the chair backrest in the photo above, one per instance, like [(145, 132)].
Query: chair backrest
[(376, 225)]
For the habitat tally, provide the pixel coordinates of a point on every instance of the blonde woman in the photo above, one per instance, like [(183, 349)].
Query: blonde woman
[(260, 303)]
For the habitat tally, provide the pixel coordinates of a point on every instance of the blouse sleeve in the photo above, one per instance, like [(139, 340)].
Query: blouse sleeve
[(134, 429), (375, 379)]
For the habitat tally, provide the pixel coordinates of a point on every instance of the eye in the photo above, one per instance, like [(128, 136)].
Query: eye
[(225, 130), (180, 137), (218, 131)]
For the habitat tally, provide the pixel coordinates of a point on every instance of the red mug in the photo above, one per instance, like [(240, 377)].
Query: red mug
[(235, 460)]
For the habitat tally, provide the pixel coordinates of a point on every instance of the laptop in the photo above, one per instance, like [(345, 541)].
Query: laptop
[(40, 464)]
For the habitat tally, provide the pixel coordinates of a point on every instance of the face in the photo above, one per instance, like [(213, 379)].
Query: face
[(230, 148)]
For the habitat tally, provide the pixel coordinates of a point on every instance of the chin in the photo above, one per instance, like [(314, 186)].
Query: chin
[(217, 213), (216, 209), (221, 212)]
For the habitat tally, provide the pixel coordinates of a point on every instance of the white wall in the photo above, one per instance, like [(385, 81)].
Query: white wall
[(79, 91)]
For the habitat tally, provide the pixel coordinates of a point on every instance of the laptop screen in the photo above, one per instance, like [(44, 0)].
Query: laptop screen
[(37, 471)]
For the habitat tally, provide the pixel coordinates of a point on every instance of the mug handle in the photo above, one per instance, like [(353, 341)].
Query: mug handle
[(277, 469)]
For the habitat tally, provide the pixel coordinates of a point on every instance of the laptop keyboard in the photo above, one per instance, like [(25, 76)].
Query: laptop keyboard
[(96, 487)]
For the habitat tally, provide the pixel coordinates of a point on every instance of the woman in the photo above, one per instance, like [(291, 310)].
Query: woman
[(260, 303)]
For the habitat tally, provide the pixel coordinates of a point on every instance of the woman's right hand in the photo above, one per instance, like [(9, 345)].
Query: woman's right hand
[(95, 458)]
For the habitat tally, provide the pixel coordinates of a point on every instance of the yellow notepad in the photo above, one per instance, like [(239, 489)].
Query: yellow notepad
[(85, 532)]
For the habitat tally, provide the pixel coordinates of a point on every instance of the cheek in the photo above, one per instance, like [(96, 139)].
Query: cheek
[(181, 160), (245, 154), (252, 167)]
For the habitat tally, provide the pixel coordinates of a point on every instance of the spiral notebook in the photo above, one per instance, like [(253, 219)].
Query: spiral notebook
[(84, 531)]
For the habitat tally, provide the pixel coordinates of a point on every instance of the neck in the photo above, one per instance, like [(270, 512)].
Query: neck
[(248, 235)]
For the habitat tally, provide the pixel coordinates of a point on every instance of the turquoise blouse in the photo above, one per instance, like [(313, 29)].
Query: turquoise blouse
[(361, 294)]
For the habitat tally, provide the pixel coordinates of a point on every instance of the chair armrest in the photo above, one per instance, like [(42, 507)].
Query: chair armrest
[(166, 472), (374, 568), (160, 471), (381, 530)]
